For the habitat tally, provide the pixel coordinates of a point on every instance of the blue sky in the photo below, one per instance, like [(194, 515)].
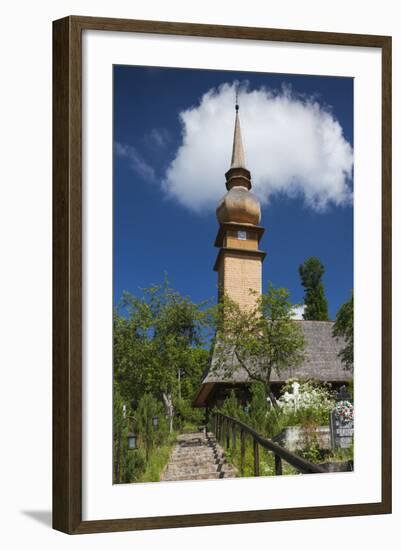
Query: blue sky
[(165, 193)]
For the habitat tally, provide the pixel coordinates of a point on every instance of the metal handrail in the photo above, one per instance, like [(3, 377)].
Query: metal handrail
[(280, 453)]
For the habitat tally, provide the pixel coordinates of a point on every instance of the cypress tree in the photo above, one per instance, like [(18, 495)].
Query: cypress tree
[(311, 273)]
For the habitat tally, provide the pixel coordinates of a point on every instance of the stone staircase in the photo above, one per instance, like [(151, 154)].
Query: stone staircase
[(197, 455)]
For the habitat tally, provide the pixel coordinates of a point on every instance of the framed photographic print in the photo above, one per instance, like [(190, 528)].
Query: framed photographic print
[(221, 217)]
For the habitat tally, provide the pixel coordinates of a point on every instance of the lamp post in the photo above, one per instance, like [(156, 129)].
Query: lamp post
[(132, 441)]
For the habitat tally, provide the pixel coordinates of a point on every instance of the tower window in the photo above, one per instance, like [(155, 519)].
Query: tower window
[(241, 235)]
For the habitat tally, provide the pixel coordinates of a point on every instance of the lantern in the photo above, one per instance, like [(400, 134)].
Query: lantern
[(132, 441)]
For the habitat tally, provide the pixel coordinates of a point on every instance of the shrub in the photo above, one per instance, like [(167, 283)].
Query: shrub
[(305, 402), (233, 407)]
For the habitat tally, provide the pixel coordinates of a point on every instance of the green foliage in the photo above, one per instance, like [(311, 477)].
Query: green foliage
[(317, 401), (159, 360), (305, 403), (266, 461), (131, 465), (187, 417), (149, 408), (312, 452), (232, 407), (263, 338), (155, 339), (158, 339), (190, 376), (135, 465), (258, 408), (311, 273), (344, 327), (341, 455), (157, 461), (121, 468)]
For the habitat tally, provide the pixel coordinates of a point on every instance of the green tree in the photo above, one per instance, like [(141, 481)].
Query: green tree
[(189, 378), (232, 407), (154, 345), (258, 407), (344, 327), (260, 339), (311, 273), (133, 357)]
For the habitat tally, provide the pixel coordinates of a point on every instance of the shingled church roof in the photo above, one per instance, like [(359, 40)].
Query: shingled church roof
[(321, 361)]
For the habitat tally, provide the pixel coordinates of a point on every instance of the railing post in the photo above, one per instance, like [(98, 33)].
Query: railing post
[(255, 457), (278, 465), (223, 424), (242, 464)]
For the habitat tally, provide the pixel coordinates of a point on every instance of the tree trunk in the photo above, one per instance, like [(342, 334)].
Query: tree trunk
[(117, 469), (168, 403), (271, 395)]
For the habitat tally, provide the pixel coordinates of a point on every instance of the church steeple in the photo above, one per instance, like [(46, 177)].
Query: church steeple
[(239, 205), (239, 261), (238, 156), (238, 175)]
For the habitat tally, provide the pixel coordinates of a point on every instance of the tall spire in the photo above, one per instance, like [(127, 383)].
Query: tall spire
[(237, 174), (238, 156)]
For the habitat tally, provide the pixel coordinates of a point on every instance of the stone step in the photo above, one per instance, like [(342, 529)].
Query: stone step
[(199, 449), (195, 462), (197, 456), (196, 476), (195, 468), (193, 475)]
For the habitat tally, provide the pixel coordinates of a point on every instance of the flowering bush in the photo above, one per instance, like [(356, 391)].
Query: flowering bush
[(306, 402), (345, 411)]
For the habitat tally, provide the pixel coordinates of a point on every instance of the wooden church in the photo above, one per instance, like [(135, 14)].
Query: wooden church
[(239, 268)]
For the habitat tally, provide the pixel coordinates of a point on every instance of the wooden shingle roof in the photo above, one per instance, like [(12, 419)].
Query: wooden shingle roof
[(321, 360)]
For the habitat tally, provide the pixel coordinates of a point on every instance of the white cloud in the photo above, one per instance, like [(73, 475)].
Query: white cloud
[(293, 146), (297, 313), (136, 161), (159, 137)]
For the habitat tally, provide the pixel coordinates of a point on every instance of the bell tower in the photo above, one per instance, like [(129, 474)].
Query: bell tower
[(239, 260)]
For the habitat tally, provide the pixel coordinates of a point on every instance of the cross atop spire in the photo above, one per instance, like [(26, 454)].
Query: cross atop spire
[(238, 156)]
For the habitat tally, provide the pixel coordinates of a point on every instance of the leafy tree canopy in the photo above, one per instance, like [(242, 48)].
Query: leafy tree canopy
[(262, 339), (158, 339), (344, 327)]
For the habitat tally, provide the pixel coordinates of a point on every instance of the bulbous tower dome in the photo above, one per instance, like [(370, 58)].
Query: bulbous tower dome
[(239, 205)]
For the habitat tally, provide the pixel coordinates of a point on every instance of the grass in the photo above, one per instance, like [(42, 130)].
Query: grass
[(266, 459), (158, 459), (266, 462)]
